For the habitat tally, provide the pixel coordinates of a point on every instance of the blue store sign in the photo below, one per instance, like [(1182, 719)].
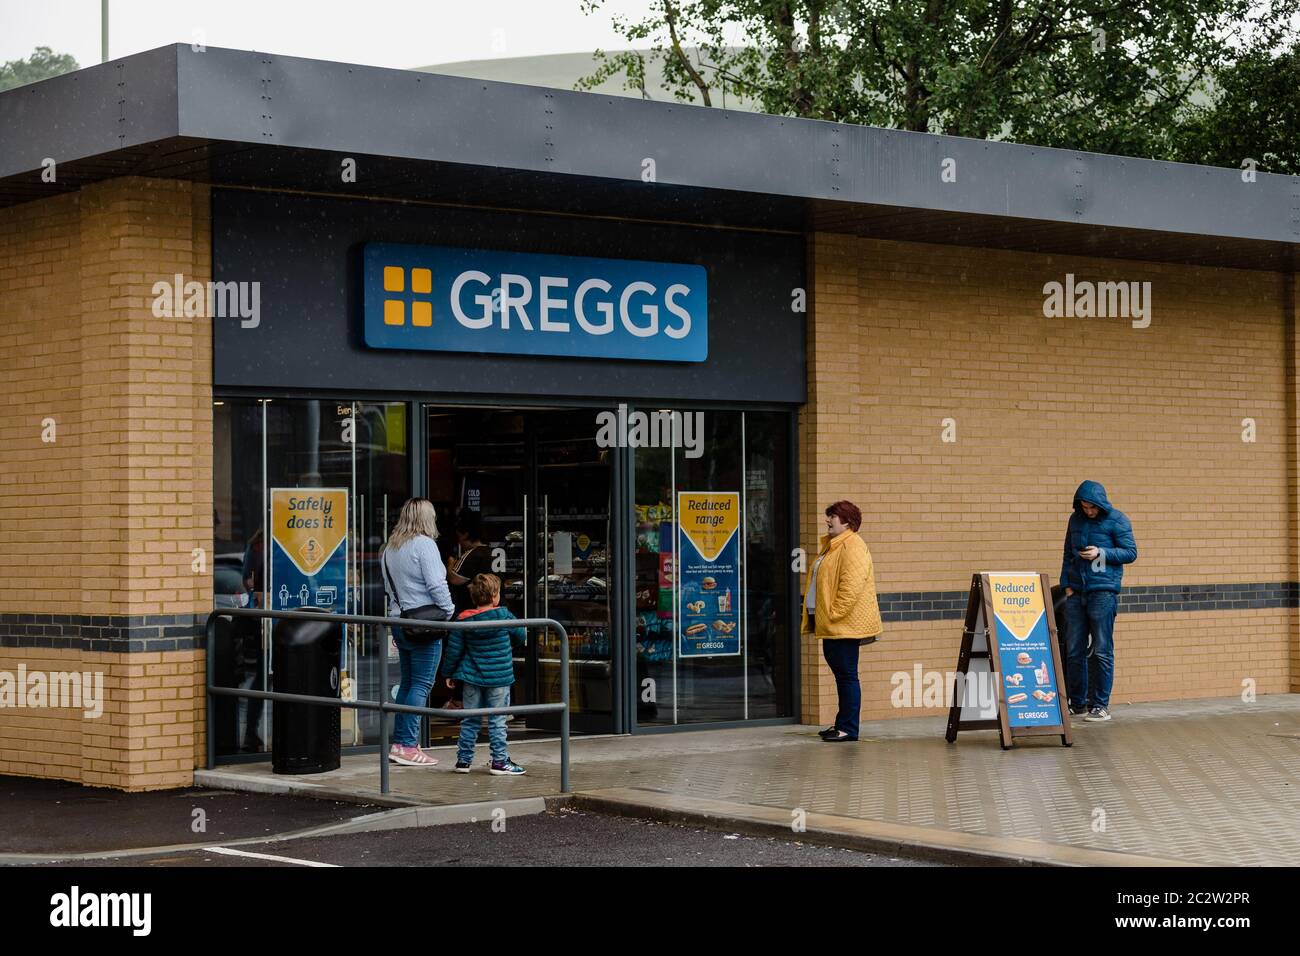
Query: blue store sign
[(444, 299)]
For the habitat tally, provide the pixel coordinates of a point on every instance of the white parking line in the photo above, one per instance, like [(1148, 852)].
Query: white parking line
[(265, 856)]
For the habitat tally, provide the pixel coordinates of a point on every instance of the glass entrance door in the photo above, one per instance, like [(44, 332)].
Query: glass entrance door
[(535, 489), (573, 525)]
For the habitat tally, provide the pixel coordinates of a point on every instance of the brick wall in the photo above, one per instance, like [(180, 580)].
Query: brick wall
[(99, 526), (903, 336)]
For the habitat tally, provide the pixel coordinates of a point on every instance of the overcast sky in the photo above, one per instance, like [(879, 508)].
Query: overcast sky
[(396, 33)]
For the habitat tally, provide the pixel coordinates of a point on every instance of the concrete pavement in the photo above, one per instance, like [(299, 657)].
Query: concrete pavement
[(1210, 782)]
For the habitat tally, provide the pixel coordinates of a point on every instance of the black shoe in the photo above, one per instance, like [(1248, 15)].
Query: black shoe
[(828, 732), (843, 738), (1077, 711)]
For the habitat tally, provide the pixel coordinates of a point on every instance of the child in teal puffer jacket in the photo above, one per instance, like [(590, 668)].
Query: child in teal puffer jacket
[(483, 660)]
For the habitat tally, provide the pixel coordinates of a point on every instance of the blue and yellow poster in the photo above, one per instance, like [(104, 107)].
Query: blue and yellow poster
[(708, 573), (1029, 682), (309, 548)]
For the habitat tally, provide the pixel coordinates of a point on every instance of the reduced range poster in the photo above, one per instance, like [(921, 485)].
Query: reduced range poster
[(1024, 650), (708, 573)]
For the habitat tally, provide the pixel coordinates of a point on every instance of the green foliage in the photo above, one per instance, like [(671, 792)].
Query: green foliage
[(41, 65), (1116, 76), (1254, 114)]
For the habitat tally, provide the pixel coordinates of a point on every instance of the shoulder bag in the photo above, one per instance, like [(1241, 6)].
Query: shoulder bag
[(427, 612)]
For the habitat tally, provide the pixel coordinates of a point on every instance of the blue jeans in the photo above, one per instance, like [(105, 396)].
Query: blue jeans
[(1090, 612), (842, 656), (419, 662), (476, 697)]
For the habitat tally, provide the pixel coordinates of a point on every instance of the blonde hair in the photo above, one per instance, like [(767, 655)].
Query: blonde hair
[(418, 517), (484, 588)]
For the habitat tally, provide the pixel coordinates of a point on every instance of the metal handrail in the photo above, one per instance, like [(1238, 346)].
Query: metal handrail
[(385, 706)]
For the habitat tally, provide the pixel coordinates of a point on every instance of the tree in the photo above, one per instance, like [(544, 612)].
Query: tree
[(1116, 76), (1254, 114), (41, 65)]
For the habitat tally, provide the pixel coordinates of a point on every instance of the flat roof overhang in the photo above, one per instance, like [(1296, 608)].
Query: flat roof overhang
[(254, 120)]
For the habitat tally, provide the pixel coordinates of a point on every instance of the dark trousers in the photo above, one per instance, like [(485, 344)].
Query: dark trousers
[(842, 656), (1090, 675)]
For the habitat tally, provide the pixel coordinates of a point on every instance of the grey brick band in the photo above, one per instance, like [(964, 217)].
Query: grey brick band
[(117, 634), (1159, 599), (114, 634)]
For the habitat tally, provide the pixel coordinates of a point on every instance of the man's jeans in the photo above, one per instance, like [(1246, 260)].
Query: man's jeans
[(476, 697), (419, 662), (1091, 612), (842, 656)]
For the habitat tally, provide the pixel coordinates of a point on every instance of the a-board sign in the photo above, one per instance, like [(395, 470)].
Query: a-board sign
[(707, 574), (1009, 639)]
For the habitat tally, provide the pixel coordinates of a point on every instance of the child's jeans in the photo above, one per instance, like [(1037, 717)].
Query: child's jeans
[(476, 697)]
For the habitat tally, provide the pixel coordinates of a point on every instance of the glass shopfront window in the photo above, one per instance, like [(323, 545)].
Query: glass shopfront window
[(714, 645), (710, 642), (263, 444)]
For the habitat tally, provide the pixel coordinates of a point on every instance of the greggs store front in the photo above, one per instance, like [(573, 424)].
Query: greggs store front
[(583, 400), (631, 350)]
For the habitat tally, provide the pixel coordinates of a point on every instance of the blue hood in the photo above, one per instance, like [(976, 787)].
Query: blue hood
[(1111, 532), (1094, 492)]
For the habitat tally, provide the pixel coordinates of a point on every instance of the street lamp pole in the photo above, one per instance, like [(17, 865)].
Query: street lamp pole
[(103, 31)]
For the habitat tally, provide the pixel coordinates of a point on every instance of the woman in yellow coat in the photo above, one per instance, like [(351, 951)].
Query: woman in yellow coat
[(841, 611)]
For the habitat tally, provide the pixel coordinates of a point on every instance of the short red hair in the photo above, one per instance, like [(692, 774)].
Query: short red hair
[(847, 512)]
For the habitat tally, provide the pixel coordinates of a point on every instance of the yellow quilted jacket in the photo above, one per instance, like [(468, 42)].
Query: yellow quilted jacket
[(846, 603)]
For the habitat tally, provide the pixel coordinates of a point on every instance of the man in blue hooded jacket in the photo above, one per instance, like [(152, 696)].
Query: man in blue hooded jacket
[(1098, 543)]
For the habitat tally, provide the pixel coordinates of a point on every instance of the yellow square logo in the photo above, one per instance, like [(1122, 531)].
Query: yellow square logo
[(422, 313), (394, 280), (394, 312), (422, 281)]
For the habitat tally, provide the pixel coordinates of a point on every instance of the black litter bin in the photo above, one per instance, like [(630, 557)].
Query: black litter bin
[(305, 737)]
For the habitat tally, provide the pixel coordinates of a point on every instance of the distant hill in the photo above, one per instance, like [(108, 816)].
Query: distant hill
[(562, 70)]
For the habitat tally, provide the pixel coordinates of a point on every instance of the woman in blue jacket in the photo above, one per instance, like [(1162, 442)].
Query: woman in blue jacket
[(1098, 543)]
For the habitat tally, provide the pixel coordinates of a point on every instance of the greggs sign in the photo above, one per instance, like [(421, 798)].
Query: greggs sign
[(444, 299)]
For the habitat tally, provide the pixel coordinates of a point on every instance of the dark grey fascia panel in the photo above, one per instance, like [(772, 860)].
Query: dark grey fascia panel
[(111, 106), (234, 97), (314, 104), (902, 169), (288, 101)]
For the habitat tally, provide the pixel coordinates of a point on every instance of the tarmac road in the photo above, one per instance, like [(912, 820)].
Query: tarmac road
[(54, 816), (556, 838)]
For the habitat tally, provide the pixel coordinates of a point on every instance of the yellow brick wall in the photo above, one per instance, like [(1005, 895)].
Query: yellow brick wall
[(904, 335), (104, 520), (40, 374), (1291, 355)]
